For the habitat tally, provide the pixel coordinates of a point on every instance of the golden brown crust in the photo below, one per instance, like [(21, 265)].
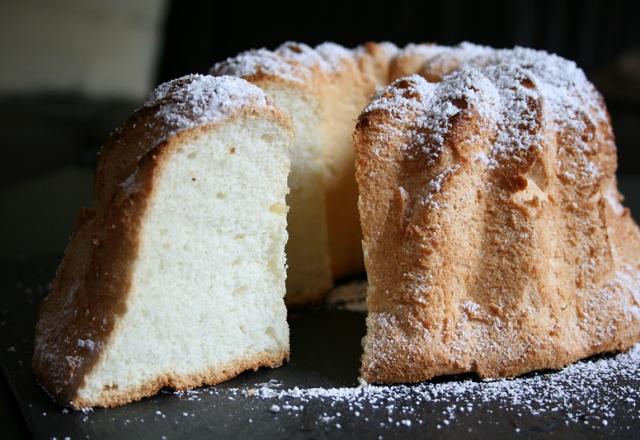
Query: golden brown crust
[(115, 397), (493, 235), (410, 60), (89, 290), (91, 286)]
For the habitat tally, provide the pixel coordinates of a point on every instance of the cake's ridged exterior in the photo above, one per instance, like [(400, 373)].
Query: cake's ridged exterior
[(90, 290), (494, 237)]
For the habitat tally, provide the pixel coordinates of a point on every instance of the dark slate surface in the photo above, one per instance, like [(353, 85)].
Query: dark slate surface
[(325, 352)]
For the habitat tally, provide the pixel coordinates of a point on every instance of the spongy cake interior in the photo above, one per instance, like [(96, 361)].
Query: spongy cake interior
[(211, 252), (308, 246)]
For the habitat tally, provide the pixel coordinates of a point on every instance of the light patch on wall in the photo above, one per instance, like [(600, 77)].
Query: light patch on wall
[(80, 46)]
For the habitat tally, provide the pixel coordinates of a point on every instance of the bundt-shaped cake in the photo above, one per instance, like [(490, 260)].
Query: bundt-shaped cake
[(176, 276), (494, 237)]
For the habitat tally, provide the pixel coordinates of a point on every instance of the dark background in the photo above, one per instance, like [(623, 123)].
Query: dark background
[(591, 32)]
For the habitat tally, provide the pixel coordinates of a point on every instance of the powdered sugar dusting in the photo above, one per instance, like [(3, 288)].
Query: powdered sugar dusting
[(514, 91), (291, 61), (425, 51), (190, 101), (333, 54), (296, 62), (256, 61), (424, 110), (435, 186), (613, 199), (585, 392), (599, 393), (197, 99), (87, 343)]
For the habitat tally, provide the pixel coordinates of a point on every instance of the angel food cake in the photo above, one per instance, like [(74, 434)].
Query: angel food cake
[(476, 185)]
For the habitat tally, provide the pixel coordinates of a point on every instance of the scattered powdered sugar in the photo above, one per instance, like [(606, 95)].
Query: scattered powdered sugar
[(258, 61), (585, 392), (403, 99), (471, 307), (611, 196), (600, 392), (627, 278), (435, 186), (291, 61), (422, 111), (463, 88), (326, 56), (87, 343), (424, 51), (333, 54), (515, 92), (189, 394), (188, 102), (197, 99), (439, 60)]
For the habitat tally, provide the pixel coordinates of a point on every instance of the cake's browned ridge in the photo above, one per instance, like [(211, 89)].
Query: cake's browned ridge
[(492, 189)]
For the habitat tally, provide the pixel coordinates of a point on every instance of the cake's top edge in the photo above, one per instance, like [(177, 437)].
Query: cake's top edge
[(174, 107), (294, 62), (515, 92), (199, 99), (559, 81)]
